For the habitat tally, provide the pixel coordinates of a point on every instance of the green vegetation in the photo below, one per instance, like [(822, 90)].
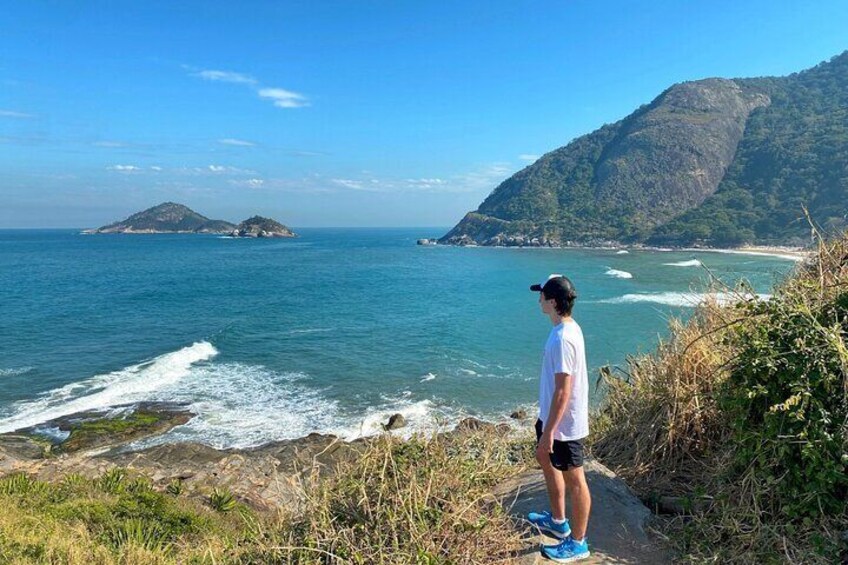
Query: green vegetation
[(744, 413), (424, 501), (105, 430), (794, 154), (713, 162)]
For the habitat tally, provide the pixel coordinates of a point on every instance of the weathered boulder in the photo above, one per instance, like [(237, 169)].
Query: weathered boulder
[(395, 421)]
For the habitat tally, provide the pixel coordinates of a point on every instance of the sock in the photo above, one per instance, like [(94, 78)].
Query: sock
[(558, 522), (578, 540)]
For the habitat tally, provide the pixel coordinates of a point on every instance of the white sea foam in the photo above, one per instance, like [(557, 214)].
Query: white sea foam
[(428, 377), (240, 405), (12, 372), (308, 331), (132, 384), (622, 252), (683, 299), (788, 256), (421, 416), (619, 274), (689, 263)]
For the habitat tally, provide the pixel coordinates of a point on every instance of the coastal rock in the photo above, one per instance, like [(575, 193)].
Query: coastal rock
[(425, 241), (519, 415), (395, 421), (475, 424), (99, 428), (257, 226), (617, 528)]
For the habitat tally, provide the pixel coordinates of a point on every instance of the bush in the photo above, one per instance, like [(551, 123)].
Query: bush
[(743, 412)]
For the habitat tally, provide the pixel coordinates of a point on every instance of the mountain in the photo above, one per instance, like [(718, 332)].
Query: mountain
[(713, 162), (257, 226), (167, 217)]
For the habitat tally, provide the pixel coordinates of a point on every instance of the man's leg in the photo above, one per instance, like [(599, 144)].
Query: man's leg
[(555, 483), (581, 500)]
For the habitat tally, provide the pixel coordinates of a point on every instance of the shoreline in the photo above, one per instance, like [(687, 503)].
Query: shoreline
[(797, 254)]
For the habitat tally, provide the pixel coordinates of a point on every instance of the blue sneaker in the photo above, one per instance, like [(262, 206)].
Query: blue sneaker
[(545, 522), (566, 551)]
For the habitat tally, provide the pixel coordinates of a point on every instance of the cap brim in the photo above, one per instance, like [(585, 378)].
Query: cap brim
[(536, 288)]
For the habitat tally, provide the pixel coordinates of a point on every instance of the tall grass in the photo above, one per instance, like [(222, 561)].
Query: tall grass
[(421, 501), (744, 412)]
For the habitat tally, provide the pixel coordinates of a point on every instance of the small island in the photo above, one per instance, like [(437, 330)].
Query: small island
[(257, 226), (170, 217)]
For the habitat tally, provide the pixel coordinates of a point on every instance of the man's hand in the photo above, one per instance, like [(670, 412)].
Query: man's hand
[(545, 447)]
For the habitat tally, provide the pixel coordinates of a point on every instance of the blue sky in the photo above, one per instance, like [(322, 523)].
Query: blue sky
[(347, 113)]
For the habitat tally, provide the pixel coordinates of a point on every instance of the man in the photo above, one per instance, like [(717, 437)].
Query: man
[(563, 424)]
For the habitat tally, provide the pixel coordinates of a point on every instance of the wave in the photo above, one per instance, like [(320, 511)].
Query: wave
[(308, 331), (790, 257), (13, 372), (240, 405), (422, 417), (622, 252), (619, 274), (689, 263), (428, 377), (682, 299), (131, 384)]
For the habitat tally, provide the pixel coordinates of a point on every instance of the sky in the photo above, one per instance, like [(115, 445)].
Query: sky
[(344, 113)]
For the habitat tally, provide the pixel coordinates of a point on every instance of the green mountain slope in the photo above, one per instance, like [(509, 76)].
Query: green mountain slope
[(167, 217), (712, 162)]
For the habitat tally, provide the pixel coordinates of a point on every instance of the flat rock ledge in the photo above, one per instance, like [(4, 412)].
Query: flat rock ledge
[(617, 525)]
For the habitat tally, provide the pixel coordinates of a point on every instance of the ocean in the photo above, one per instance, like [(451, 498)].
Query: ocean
[(330, 332)]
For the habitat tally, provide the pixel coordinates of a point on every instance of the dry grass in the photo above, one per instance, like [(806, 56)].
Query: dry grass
[(421, 501), (683, 417), (416, 501), (660, 423)]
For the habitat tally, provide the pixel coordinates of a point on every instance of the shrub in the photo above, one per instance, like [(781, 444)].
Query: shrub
[(745, 409)]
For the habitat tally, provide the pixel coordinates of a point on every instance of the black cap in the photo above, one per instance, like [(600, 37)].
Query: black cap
[(556, 285)]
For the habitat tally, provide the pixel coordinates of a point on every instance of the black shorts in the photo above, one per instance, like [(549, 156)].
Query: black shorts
[(567, 454)]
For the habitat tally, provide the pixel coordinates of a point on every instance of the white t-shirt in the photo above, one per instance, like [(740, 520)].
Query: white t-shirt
[(566, 353)]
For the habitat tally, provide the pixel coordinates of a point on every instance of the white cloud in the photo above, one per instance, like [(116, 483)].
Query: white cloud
[(424, 184), (214, 170), (482, 180), (155, 168), (249, 183), (17, 115), (109, 144), (236, 142), (280, 97), (225, 76), (124, 168), (283, 98), (528, 157), (366, 185)]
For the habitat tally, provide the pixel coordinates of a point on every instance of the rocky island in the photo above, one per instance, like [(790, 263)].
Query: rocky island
[(257, 226), (170, 217)]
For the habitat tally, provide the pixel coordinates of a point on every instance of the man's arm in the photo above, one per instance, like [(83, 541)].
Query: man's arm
[(559, 401)]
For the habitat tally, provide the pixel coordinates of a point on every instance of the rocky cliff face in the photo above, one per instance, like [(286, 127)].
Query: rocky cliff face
[(628, 181)]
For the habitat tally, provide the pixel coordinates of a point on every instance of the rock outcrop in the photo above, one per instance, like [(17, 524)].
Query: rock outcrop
[(257, 226)]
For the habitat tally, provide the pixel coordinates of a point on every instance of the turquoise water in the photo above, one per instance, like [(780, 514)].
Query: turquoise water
[(330, 332)]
